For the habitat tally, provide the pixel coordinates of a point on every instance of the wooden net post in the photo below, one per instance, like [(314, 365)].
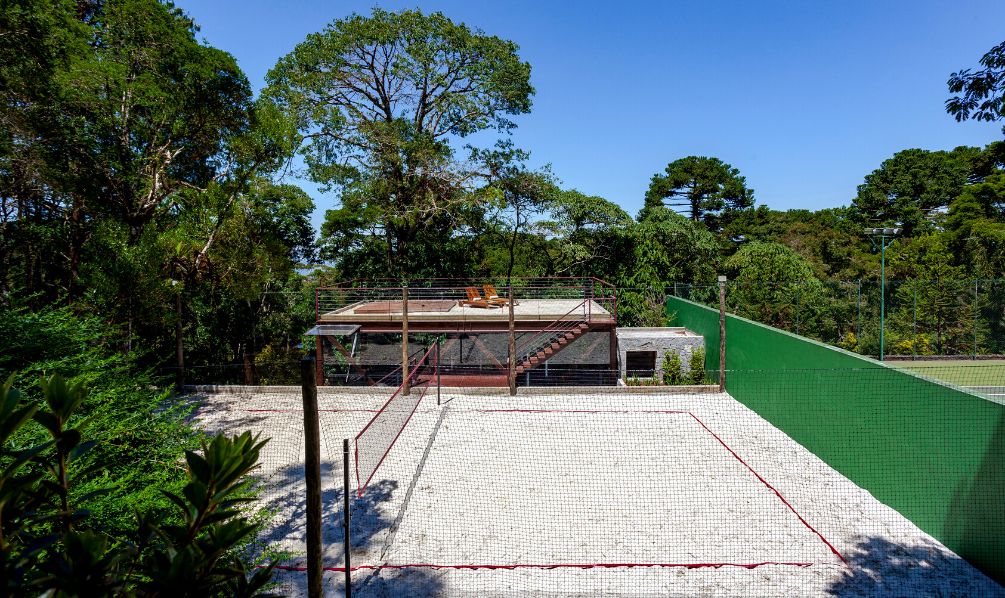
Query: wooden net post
[(312, 476), (512, 345)]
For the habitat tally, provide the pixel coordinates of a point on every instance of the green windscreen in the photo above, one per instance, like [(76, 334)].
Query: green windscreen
[(933, 451)]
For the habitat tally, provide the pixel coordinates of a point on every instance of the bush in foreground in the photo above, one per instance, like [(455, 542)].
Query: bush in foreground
[(49, 547)]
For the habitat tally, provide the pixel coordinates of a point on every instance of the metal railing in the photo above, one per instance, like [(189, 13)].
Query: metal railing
[(593, 292)]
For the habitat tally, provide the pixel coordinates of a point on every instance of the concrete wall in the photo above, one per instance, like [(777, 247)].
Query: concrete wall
[(660, 340)]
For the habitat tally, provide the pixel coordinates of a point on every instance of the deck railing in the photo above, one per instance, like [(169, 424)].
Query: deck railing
[(591, 291)]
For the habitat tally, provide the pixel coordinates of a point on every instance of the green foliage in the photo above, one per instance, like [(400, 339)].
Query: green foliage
[(666, 247), (983, 90), (378, 100), (711, 190), (636, 381), (591, 234), (922, 345), (696, 367), (910, 189), (673, 369), (50, 545), (849, 342), (139, 430), (773, 284), (829, 239)]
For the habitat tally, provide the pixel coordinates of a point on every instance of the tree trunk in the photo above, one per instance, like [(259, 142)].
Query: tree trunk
[(179, 344)]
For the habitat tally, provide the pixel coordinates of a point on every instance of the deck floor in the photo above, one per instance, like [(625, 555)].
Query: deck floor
[(524, 310)]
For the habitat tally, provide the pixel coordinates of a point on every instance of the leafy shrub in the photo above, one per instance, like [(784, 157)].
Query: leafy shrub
[(50, 545), (636, 381), (696, 367), (848, 342), (140, 431), (922, 345), (672, 369)]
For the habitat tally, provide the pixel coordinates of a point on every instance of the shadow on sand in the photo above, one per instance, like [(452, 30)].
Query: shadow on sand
[(878, 567), (284, 495)]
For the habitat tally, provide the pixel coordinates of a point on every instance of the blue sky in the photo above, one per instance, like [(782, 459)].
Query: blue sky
[(805, 98)]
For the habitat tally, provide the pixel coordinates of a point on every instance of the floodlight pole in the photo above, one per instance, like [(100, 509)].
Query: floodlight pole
[(881, 234)]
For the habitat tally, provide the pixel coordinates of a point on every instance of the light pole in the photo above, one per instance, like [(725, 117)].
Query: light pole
[(881, 235)]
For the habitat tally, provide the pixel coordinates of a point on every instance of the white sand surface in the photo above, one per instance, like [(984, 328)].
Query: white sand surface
[(583, 494)]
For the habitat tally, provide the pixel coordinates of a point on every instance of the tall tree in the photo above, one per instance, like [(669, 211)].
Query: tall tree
[(591, 235), (710, 190), (914, 187), (775, 285), (666, 248), (983, 90), (376, 103)]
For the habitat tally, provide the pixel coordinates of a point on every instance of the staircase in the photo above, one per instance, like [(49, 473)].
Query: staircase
[(551, 340)]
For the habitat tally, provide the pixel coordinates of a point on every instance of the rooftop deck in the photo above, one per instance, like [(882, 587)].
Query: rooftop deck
[(550, 310), (445, 303)]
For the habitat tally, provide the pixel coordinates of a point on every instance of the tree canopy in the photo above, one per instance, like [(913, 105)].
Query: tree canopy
[(710, 190), (375, 102), (913, 189), (983, 90)]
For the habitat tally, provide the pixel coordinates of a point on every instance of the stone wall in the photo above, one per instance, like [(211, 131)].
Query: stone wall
[(662, 341)]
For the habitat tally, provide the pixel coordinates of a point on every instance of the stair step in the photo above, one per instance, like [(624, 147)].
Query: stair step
[(569, 336), (519, 369), (533, 360), (557, 346), (584, 327), (548, 351)]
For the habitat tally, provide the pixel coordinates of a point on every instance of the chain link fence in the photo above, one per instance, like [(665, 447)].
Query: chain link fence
[(914, 319)]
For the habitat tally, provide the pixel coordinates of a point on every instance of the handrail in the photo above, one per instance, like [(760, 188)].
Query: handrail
[(553, 327), (567, 287)]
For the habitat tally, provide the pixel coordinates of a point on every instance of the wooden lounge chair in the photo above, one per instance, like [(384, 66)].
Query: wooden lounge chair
[(492, 296), (475, 300)]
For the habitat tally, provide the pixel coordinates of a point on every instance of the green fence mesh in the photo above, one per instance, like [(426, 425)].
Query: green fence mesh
[(927, 440), (920, 318)]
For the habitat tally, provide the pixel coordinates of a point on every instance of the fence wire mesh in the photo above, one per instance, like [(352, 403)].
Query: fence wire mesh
[(652, 491), (920, 318)]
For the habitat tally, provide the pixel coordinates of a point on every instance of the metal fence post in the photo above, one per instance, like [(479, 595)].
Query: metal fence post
[(914, 345), (405, 386), (346, 518), (858, 317), (722, 334), (977, 315), (438, 371), (312, 475)]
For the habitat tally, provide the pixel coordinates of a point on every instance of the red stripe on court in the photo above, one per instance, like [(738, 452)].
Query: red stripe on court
[(301, 410), (719, 440), (552, 566), (770, 487), (664, 411)]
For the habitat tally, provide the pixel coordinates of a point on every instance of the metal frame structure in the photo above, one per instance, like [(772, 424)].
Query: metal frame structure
[(555, 311)]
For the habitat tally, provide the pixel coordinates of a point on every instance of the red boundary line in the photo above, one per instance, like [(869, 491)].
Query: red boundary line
[(301, 410), (713, 434), (772, 488), (362, 486), (661, 411), (552, 566), (586, 565)]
